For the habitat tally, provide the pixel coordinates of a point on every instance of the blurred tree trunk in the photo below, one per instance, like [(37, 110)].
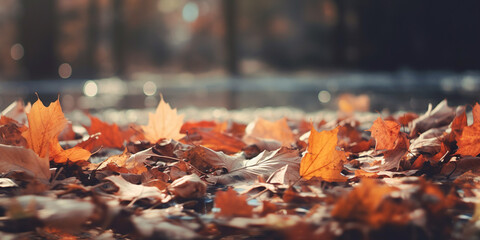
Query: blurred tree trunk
[(339, 35), (38, 32), (119, 37), (92, 39)]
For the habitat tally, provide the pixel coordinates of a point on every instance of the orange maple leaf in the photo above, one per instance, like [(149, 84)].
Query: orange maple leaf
[(74, 154), (264, 129), (385, 133), (476, 113), (469, 142), (368, 203), (110, 134), (164, 123), (323, 159), (232, 205), (458, 124), (44, 124)]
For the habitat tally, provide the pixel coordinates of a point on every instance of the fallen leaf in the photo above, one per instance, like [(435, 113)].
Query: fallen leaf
[(469, 142), (44, 124), (367, 203), (407, 118), (440, 116), (262, 165), (286, 175), (67, 214), (189, 186), (349, 103), (14, 158), (322, 159), (7, 183), (232, 205), (476, 113), (207, 160), (11, 134), (152, 224), (128, 191), (75, 154), (164, 123), (394, 156), (264, 129), (189, 127), (458, 124), (17, 111), (215, 140), (428, 142), (110, 134), (67, 133), (385, 133)]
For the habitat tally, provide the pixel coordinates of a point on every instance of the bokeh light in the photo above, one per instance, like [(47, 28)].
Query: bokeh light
[(17, 51), (149, 88), (324, 96), (190, 12), (90, 89), (65, 70)]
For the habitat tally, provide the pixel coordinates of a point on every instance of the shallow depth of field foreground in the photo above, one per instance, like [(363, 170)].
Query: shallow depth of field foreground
[(356, 176)]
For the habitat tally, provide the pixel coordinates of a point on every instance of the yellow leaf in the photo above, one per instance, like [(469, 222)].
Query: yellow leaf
[(323, 160), (164, 123), (44, 124)]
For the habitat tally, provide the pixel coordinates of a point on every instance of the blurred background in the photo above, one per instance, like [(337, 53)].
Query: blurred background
[(307, 54)]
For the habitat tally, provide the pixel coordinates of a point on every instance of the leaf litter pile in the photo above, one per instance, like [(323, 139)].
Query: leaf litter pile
[(402, 176)]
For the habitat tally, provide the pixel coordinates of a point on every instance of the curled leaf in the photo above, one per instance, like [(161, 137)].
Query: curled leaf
[(14, 158)]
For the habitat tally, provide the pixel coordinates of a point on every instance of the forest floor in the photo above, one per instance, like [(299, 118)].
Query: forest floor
[(247, 174)]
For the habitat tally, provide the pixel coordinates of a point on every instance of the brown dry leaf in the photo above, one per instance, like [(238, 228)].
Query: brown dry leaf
[(394, 156), (232, 205), (164, 123), (440, 116), (286, 175), (264, 129), (469, 142), (14, 158), (385, 133), (323, 160), (11, 133), (110, 134), (128, 191), (44, 124), (262, 165), (17, 111), (428, 142), (189, 186), (206, 159)]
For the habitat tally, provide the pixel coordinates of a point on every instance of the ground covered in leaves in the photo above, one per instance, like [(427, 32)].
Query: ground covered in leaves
[(399, 176)]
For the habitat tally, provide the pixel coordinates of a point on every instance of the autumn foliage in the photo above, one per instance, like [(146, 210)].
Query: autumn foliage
[(402, 176)]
